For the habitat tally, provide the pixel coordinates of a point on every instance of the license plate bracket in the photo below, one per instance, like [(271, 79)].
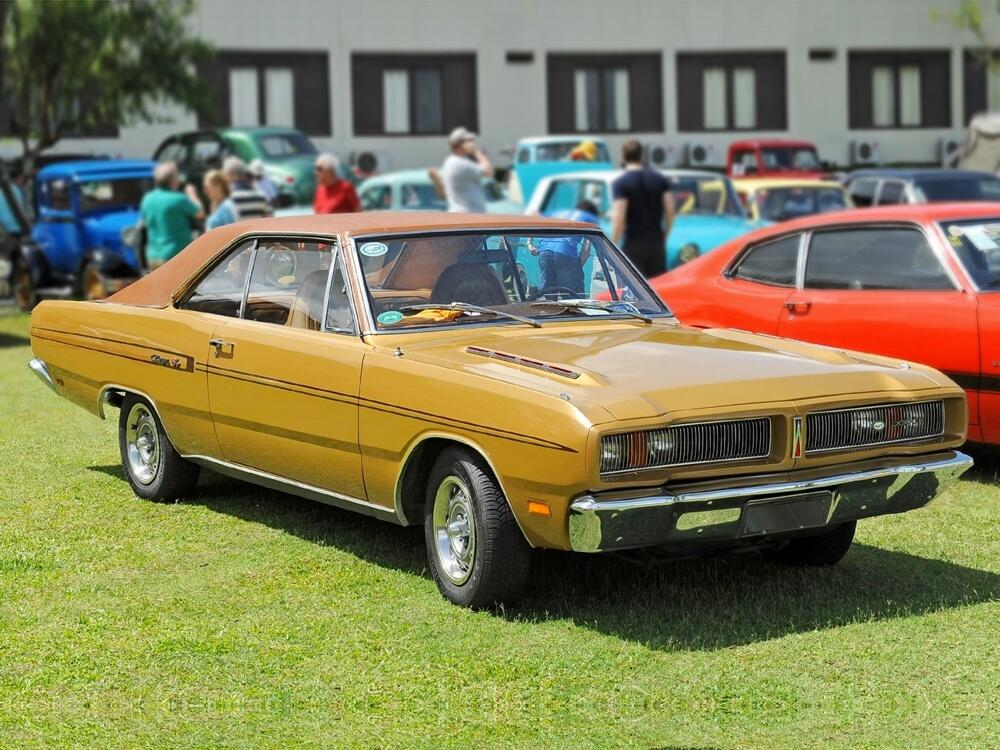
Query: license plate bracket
[(808, 510)]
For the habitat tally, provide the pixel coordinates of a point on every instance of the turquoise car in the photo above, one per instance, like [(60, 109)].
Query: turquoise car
[(708, 211), (412, 190), (538, 157)]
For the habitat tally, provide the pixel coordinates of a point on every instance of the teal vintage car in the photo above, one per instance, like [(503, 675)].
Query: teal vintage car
[(539, 157), (709, 212), (412, 190)]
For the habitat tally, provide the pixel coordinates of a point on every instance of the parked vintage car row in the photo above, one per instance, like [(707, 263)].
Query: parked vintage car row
[(395, 365)]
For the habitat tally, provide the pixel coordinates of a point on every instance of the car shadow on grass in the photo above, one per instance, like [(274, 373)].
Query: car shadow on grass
[(9, 340), (703, 604)]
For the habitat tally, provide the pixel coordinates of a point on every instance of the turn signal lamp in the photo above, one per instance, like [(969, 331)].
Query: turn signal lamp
[(539, 508)]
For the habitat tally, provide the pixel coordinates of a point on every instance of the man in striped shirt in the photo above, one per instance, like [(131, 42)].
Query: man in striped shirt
[(247, 201)]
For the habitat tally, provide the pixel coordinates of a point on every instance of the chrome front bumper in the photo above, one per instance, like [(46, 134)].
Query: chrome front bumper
[(614, 521), (42, 371)]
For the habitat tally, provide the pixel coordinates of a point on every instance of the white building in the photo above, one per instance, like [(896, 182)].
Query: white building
[(393, 77)]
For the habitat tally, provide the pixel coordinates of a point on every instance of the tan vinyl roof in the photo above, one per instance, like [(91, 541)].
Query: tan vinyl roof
[(157, 288)]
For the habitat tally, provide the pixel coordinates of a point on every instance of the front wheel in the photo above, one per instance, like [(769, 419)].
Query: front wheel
[(152, 465), (25, 293), (827, 548), (478, 556)]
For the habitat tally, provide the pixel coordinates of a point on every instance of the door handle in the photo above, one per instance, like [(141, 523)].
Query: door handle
[(221, 344), (798, 307)]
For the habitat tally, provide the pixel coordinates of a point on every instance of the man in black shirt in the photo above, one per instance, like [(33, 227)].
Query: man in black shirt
[(642, 212)]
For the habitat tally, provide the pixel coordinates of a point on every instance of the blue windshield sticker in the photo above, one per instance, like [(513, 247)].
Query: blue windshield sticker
[(390, 317), (374, 249)]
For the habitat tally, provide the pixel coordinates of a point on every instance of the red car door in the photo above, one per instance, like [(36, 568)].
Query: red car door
[(886, 290), (749, 295)]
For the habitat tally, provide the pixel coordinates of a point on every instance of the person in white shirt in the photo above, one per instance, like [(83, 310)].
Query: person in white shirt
[(463, 171)]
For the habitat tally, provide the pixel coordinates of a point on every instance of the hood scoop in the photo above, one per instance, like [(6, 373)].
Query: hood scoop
[(514, 359)]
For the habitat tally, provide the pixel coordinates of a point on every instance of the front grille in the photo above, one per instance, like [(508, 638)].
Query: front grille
[(872, 426), (683, 444)]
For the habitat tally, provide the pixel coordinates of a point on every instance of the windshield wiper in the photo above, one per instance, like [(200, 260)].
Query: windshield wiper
[(615, 308), (469, 308)]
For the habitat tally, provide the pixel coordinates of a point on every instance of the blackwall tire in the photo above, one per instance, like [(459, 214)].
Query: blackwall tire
[(150, 462), (478, 556)]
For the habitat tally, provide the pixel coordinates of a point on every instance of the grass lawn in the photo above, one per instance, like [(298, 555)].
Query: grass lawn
[(247, 618)]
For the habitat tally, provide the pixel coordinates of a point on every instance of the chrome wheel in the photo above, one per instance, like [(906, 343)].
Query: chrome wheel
[(142, 441), (454, 525)]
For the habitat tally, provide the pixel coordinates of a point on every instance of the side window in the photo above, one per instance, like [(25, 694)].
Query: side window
[(207, 153), (873, 258), (523, 156), (863, 191), (172, 151), (562, 196), (891, 193), (771, 263), (596, 192), (288, 283), (376, 198), (221, 291), (745, 162)]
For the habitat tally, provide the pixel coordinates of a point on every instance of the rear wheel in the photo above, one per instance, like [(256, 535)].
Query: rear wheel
[(24, 288), (92, 283), (478, 556), (152, 465), (827, 548)]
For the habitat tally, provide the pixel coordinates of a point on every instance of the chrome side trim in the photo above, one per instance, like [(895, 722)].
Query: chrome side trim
[(958, 462), (293, 487), (40, 369)]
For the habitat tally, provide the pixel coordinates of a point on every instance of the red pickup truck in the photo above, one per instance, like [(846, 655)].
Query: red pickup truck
[(773, 157)]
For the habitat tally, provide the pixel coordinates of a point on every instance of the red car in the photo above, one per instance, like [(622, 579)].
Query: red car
[(773, 157), (918, 282)]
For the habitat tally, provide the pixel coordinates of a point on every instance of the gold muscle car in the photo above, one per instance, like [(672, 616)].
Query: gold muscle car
[(398, 365)]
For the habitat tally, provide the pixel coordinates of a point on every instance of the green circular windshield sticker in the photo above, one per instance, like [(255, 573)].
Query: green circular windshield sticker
[(389, 318), (374, 249)]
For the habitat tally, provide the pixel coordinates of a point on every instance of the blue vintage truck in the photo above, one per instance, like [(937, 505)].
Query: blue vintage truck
[(83, 213)]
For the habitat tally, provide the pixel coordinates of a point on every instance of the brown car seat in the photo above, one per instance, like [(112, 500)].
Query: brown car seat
[(472, 283), (307, 309)]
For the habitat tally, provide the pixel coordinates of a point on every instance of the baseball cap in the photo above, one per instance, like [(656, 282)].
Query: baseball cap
[(460, 134)]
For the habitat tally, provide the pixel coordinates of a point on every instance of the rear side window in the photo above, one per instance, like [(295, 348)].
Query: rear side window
[(891, 193), (221, 291), (771, 263), (873, 258), (863, 191)]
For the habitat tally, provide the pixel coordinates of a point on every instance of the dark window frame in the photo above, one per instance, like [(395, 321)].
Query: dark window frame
[(975, 80), (862, 62), (446, 63), (312, 117), (771, 96), (645, 87)]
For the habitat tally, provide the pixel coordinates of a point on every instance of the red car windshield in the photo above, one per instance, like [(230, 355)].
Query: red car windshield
[(791, 158)]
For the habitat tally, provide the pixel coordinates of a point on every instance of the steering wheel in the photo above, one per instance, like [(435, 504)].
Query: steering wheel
[(556, 290)]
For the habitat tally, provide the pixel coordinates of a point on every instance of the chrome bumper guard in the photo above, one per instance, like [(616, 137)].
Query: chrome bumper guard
[(42, 371), (614, 521)]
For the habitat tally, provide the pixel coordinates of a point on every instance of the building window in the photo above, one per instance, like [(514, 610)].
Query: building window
[(604, 93), (269, 88), (602, 99), (731, 91), (909, 89), (413, 94)]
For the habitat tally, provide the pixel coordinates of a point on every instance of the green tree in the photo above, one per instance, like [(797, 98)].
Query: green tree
[(970, 16), (73, 65)]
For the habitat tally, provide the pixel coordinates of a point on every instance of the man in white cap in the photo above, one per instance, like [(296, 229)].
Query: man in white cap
[(463, 171)]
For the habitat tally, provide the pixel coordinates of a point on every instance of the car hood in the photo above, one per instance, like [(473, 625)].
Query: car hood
[(105, 230), (634, 371)]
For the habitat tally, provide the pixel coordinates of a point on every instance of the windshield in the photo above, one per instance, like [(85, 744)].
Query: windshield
[(104, 195), (560, 151), (414, 280), (977, 245), (704, 195), (965, 188), (779, 204), (788, 157), (285, 145)]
